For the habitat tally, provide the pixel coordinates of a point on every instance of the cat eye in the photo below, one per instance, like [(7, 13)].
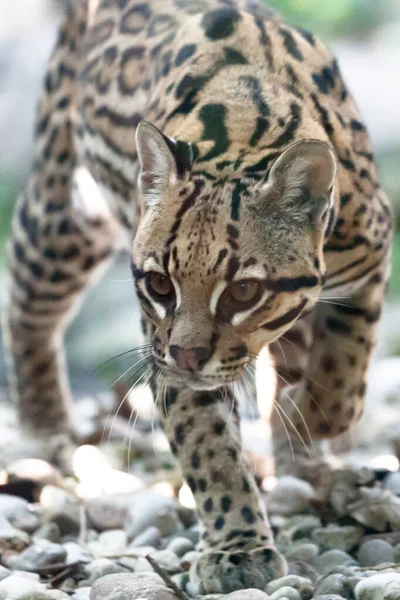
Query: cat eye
[(160, 286), (247, 291)]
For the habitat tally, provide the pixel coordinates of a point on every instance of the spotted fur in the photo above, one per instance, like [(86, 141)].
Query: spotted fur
[(225, 142)]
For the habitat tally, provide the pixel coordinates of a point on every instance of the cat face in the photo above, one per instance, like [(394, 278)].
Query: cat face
[(225, 265)]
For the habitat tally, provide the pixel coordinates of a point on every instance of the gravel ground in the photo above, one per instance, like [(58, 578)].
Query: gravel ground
[(104, 533)]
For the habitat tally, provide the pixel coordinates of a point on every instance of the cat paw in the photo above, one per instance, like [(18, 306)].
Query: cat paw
[(218, 572)]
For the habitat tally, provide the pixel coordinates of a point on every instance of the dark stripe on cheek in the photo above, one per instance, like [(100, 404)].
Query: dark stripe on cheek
[(285, 319)]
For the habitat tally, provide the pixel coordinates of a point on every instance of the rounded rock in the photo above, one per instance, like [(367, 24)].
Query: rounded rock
[(392, 482), (81, 594), (332, 584), (291, 581), (338, 538), (151, 509), (250, 594), (307, 552), (290, 496), (328, 561), (131, 586), (101, 567), (180, 546), (375, 552), (48, 531), (150, 537), (167, 560), (16, 587), (378, 587), (41, 554), (286, 593)]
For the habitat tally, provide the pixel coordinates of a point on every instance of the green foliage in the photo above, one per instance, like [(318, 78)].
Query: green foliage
[(9, 187), (335, 18)]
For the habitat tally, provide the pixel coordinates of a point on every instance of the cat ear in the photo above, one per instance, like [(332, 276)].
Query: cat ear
[(162, 160), (303, 176)]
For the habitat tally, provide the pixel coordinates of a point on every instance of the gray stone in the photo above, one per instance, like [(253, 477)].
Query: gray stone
[(167, 560), (77, 554), (151, 509), (110, 542), (63, 509), (82, 594), (338, 538), (48, 531), (375, 552), (131, 586), (150, 537), (328, 561), (304, 552), (57, 595), (12, 538), (392, 482), (250, 594), (4, 573), (101, 567), (328, 597), (290, 496), (16, 587), (39, 555), (333, 584), (296, 528), (286, 593), (20, 513), (383, 586), (293, 581), (180, 546)]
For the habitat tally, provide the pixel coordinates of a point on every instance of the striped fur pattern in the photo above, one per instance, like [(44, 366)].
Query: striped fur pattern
[(224, 148)]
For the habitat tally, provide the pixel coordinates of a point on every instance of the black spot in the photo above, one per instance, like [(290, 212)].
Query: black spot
[(219, 523), (226, 503), (208, 505), (184, 53), (192, 484), (345, 199), (290, 130), (195, 460), (246, 485), (19, 251), (290, 44), (220, 23), (179, 434), (36, 269), (325, 80), (204, 399), (213, 118), (219, 427), (63, 103), (42, 125), (202, 485), (339, 327), (59, 276), (233, 57), (248, 515)]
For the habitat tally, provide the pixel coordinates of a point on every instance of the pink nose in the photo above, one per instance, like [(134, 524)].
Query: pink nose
[(190, 359)]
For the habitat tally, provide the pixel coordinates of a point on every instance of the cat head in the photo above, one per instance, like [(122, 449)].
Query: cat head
[(226, 260)]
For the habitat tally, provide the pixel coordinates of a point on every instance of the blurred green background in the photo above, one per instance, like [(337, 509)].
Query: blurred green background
[(364, 34)]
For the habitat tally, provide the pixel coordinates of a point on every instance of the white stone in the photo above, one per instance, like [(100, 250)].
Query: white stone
[(375, 587)]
